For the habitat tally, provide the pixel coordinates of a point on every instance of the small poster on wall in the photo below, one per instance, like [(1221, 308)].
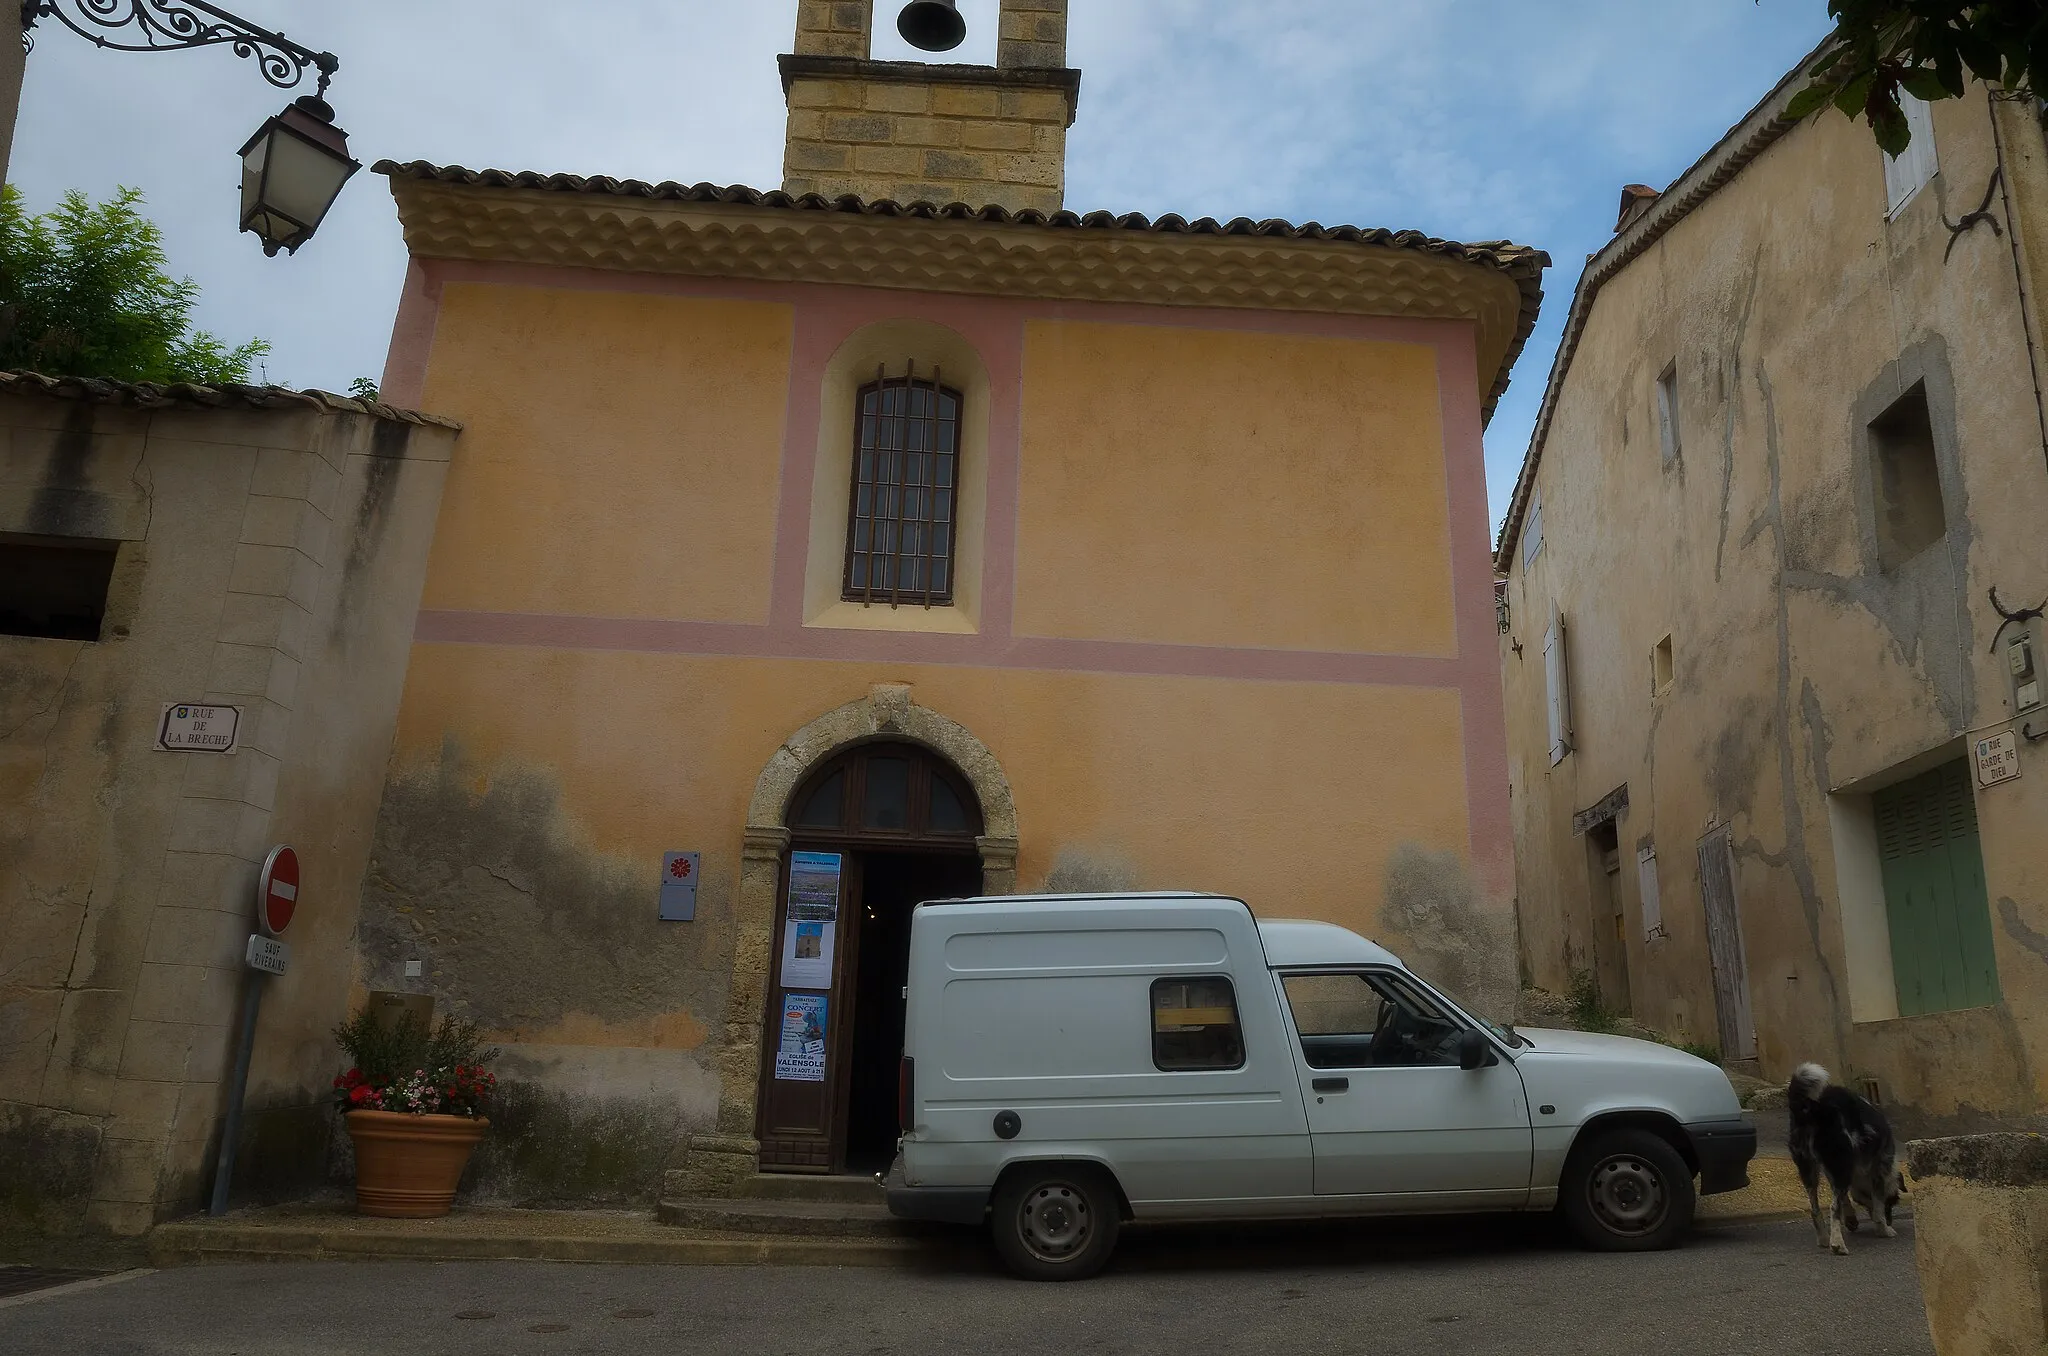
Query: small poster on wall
[(810, 933), (800, 1054), (807, 954)]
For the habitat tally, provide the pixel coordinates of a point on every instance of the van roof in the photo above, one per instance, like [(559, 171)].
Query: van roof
[(1299, 941), (1103, 896)]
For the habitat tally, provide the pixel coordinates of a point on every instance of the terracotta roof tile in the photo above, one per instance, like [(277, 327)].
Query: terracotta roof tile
[(149, 395), (1521, 263)]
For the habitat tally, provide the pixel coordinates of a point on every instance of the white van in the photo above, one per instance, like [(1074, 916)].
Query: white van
[(1071, 1062)]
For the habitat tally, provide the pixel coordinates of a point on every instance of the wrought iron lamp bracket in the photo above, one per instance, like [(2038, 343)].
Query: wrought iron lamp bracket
[(172, 25)]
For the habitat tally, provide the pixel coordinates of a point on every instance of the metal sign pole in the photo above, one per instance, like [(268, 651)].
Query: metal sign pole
[(224, 1161)]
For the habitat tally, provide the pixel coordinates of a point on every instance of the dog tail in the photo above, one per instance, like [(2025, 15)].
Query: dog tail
[(1808, 1082)]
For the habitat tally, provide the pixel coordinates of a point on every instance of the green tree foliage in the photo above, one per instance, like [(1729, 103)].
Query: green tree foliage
[(84, 293), (1927, 48)]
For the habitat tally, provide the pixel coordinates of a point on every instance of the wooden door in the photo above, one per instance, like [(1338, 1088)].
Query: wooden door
[(1724, 945), (801, 1094)]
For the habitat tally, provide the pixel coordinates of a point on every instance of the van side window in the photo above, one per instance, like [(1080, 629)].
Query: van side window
[(1357, 1021), (1194, 1025)]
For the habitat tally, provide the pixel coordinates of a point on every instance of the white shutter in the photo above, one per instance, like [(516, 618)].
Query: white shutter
[(1646, 884), (1905, 175), (1532, 528), (1554, 681)]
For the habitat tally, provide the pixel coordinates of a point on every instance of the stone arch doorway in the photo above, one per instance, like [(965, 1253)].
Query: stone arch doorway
[(714, 1164), (874, 830)]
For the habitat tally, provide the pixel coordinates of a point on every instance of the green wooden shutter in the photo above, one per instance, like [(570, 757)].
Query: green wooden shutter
[(1934, 893)]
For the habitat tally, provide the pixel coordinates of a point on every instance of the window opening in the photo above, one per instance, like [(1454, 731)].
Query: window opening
[(889, 791), (55, 590), (1660, 667), (822, 810), (1667, 412), (905, 498), (1906, 478), (1194, 1025), (1357, 1021)]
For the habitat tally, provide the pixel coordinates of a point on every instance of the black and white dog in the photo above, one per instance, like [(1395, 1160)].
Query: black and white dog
[(1836, 1132)]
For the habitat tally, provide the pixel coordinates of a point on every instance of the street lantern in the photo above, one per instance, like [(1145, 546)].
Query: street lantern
[(297, 161), (292, 170)]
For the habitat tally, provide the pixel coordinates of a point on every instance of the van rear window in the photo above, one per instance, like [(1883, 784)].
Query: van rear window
[(1194, 1025)]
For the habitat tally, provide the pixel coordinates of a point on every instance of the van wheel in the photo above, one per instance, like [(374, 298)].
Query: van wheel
[(1055, 1221), (1626, 1191)]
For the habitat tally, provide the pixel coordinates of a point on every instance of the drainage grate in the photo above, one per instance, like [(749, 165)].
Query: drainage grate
[(20, 1280)]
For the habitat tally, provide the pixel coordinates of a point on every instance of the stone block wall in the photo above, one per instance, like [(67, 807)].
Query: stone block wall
[(1980, 1238), (916, 141), (839, 28), (911, 132), (266, 556)]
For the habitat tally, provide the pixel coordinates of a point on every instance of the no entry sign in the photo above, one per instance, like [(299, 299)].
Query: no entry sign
[(277, 890)]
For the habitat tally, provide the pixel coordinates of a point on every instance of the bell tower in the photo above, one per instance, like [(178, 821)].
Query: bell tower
[(905, 130)]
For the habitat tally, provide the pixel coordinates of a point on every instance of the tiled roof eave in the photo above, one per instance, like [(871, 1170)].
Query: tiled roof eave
[(146, 395), (1522, 266)]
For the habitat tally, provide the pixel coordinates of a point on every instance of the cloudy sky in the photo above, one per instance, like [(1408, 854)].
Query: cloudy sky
[(1473, 119)]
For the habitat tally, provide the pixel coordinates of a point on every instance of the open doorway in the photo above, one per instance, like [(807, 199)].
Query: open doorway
[(1610, 927), (892, 884), (874, 832)]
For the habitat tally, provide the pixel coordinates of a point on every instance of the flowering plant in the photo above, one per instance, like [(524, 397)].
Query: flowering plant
[(403, 1066)]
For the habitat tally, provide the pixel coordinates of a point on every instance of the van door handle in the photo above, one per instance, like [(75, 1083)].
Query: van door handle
[(1332, 1084)]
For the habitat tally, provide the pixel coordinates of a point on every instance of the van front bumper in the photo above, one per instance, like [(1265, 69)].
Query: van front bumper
[(1723, 1149), (946, 1205)]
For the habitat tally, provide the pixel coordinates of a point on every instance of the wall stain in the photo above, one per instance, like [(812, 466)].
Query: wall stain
[(382, 471), (518, 923), (1728, 407), (1432, 904), (2017, 929), (1795, 857)]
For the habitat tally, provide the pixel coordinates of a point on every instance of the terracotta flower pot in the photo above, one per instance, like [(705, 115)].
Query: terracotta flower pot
[(407, 1167)]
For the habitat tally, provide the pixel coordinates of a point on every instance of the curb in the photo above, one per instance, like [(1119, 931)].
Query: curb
[(173, 1245)]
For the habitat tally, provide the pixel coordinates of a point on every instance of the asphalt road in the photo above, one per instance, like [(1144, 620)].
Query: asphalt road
[(1471, 1288)]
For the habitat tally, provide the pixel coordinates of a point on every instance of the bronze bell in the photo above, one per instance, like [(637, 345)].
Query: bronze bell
[(932, 25)]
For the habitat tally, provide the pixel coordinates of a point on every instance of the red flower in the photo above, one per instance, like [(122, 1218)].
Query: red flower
[(359, 1094)]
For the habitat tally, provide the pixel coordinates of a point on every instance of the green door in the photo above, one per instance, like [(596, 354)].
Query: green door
[(1934, 892)]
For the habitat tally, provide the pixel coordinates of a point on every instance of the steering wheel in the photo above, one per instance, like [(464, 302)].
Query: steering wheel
[(1387, 1046)]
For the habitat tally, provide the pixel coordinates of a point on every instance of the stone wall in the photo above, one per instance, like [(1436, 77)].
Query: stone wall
[(268, 550), (1980, 1237)]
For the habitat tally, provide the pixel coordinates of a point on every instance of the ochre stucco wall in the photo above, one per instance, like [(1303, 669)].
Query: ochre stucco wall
[(1805, 666), (1231, 630), (626, 453), (1214, 487)]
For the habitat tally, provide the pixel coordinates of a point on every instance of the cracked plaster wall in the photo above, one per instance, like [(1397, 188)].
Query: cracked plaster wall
[(269, 559), (1804, 665)]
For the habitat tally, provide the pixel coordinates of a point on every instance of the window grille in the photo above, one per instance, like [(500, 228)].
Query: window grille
[(902, 519)]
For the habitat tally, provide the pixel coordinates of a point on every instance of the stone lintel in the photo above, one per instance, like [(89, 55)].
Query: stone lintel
[(799, 66)]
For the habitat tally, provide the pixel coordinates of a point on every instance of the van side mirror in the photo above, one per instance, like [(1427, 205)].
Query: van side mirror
[(1472, 1050)]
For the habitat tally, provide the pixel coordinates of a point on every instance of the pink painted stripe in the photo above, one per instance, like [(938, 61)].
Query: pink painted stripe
[(412, 337), (747, 641)]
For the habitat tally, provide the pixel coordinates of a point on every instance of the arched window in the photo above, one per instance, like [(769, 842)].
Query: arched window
[(886, 791), (904, 504)]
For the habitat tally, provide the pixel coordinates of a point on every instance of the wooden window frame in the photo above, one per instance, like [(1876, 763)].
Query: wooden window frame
[(866, 593), (851, 830)]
